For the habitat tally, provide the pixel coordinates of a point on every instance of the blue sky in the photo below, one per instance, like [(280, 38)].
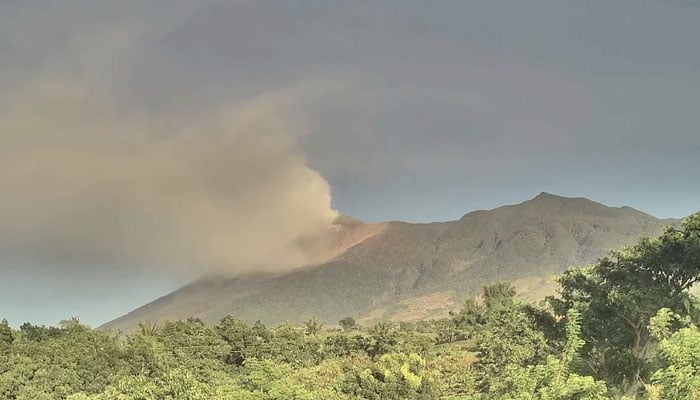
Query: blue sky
[(409, 110)]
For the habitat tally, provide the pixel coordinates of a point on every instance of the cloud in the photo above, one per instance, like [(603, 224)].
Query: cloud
[(83, 182)]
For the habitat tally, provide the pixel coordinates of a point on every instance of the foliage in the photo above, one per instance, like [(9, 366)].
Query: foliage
[(6, 336), (507, 341), (348, 324), (394, 376), (620, 294), (679, 354)]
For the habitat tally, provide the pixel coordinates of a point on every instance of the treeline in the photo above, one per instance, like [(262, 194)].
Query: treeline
[(622, 328)]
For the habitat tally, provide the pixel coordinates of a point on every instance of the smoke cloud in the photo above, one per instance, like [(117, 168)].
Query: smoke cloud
[(85, 182)]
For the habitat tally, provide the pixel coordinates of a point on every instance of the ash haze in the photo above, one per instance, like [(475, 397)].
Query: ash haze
[(144, 143)]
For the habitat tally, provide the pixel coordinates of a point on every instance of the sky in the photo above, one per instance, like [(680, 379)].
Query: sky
[(146, 143)]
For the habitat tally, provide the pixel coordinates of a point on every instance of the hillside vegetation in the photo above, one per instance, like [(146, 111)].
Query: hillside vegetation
[(623, 327), (397, 270)]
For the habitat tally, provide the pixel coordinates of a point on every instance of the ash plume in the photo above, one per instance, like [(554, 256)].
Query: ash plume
[(85, 183)]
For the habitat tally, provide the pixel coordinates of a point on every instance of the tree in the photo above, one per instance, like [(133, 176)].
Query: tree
[(193, 346), (498, 295), (148, 328), (679, 352), (555, 379), (245, 342), (313, 327), (52, 363), (550, 379), (471, 314), (348, 324), (271, 379), (621, 293), (6, 336), (462, 324), (38, 333), (395, 376), (508, 341), (384, 338)]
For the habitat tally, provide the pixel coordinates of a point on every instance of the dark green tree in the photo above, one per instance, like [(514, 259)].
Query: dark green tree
[(509, 337), (619, 295), (348, 324), (6, 335)]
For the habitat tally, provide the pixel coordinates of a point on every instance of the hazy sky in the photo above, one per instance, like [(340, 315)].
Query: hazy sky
[(145, 142)]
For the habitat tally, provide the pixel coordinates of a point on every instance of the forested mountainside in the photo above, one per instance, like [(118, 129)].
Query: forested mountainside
[(406, 271)]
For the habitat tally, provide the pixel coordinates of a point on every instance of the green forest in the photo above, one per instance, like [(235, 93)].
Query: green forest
[(625, 327)]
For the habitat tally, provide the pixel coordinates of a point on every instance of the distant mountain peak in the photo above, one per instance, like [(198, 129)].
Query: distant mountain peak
[(544, 200), (552, 200), (546, 195), (549, 197)]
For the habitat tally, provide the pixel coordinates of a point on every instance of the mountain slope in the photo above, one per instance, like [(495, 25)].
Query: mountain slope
[(407, 271)]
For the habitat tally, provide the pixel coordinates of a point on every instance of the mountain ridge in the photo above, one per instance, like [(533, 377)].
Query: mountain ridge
[(404, 270)]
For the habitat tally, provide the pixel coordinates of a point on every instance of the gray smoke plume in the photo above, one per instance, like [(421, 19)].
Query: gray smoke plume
[(85, 183)]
